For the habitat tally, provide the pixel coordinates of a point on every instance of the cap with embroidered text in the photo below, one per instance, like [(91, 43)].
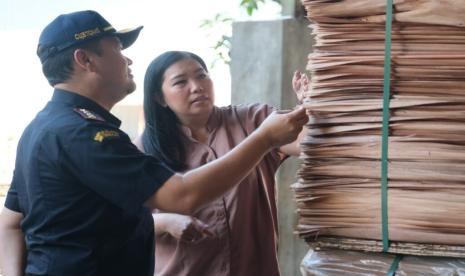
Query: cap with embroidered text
[(75, 28)]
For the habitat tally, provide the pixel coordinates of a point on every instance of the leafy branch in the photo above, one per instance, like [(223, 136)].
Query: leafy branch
[(252, 5), (215, 26), (220, 22)]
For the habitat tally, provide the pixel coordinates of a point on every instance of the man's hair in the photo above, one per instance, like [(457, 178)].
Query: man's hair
[(59, 67)]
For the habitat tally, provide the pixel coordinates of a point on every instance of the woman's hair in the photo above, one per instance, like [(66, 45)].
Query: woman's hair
[(162, 136)]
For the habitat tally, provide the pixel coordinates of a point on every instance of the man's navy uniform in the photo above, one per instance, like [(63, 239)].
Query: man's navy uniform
[(81, 184)]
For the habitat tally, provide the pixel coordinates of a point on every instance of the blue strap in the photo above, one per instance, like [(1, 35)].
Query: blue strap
[(395, 264), (385, 130)]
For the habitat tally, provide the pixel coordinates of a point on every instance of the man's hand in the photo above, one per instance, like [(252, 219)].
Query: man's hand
[(184, 228), (281, 129)]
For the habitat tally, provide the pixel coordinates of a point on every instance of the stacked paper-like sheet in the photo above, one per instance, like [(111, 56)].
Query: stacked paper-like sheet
[(338, 192)]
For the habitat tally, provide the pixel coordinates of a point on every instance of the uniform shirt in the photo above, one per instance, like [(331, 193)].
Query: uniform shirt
[(80, 184), (244, 221)]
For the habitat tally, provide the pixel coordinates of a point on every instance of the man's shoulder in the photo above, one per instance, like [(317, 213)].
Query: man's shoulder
[(88, 115), (72, 117), (65, 123)]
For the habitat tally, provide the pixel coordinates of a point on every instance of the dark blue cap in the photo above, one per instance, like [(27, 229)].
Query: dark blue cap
[(75, 28)]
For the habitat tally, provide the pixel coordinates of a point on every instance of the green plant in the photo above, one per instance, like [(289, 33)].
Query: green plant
[(221, 27), (250, 5), (217, 26)]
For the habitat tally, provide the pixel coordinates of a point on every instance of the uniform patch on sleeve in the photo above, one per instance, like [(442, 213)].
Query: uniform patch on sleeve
[(101, 135), (89, 115)]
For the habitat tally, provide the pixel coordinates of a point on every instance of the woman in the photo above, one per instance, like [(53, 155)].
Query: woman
[(237, 234)]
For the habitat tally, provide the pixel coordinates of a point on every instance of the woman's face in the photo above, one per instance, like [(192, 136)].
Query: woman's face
[(188, 89)]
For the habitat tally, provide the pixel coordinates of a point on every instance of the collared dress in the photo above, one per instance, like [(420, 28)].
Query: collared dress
[(80, 184), (244, 220)]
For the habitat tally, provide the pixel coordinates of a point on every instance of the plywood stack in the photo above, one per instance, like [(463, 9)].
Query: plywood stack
[(338, 192)]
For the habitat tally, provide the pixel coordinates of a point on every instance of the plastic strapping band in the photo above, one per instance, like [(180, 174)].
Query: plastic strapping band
[(385, 137), (394, 265)]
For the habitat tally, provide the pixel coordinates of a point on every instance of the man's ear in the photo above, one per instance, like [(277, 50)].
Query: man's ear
[(82, 59)]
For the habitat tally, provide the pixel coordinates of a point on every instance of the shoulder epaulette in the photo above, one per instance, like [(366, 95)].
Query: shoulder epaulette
[(89, 115)]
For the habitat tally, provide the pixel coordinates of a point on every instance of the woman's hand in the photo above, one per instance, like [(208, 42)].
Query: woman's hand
[(300, 84), (184, 228)]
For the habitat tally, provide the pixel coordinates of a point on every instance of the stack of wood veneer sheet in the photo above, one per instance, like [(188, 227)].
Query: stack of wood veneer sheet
[(332, 262), (338, 192)]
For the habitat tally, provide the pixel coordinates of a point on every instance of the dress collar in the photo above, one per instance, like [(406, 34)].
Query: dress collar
[(212, 122)]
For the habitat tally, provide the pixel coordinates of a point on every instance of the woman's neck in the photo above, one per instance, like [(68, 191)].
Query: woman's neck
[(200, 134), (198, 128)]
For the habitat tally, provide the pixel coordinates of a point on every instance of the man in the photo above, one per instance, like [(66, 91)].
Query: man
[(81, 191)]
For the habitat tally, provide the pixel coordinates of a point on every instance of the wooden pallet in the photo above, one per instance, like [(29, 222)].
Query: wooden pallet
[(395, 247)]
